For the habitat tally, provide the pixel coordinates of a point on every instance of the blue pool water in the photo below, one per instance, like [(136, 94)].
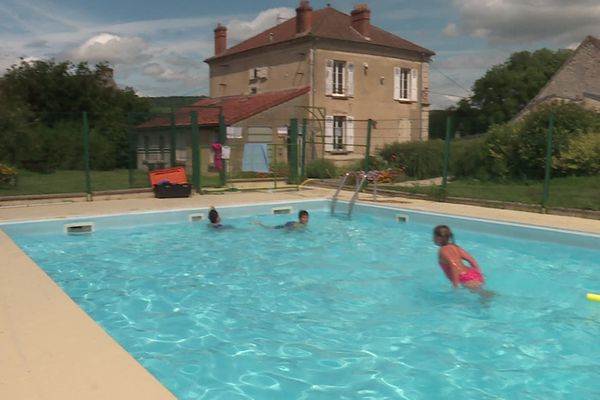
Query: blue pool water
[(349, 309)]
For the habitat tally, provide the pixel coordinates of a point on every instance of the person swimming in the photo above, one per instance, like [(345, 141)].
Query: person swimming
[(451, 256), (215, 220), (303, 218)]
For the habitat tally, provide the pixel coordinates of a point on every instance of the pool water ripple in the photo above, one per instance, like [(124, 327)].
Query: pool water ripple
[(347, 309)]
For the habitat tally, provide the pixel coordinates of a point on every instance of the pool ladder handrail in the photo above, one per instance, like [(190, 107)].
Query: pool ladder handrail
[(359, 185)]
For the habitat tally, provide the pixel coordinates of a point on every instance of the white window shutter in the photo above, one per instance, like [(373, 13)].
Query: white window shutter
[(396, 83), (350, 133), (350, 79), (329, 77), (414, 85), (328, 133), (251, 75)]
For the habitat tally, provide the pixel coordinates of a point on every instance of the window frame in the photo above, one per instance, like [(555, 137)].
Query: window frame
[(406, 84), (339, 140), (339, 78), (339, 134)]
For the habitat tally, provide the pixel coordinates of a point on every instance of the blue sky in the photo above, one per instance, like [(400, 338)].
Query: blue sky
[(158, 47)]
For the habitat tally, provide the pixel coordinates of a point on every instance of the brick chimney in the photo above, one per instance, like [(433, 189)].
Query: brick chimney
[(304, 17), (220, 39), (361, 19)]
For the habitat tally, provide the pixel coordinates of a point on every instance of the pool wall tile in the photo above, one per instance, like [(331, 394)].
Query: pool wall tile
[(526, 232)]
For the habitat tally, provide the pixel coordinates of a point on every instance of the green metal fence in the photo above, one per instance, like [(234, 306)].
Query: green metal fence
[(92, 153)]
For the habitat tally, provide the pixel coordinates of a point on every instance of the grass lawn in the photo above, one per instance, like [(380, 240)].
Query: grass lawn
[(572, 192), (74, 182)]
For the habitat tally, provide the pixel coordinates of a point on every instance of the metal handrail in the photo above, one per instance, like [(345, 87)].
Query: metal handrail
[(337, 192), (358, 188), (359, 185)]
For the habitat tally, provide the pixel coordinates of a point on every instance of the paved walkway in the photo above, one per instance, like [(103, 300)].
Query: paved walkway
[(51, 349)]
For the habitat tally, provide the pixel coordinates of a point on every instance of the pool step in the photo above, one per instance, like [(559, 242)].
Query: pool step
[(79, 228), (282, 210), (403, 218), (196, 217)]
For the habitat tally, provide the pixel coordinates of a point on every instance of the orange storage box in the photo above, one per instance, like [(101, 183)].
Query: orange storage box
[(170, 182)]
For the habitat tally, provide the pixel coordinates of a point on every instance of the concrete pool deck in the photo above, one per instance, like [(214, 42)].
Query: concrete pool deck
[(51, 349)]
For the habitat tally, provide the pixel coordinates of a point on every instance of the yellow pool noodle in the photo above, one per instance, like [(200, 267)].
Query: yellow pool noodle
[(593, 297)]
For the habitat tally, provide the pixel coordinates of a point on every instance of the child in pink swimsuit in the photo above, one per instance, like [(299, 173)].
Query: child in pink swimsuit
[(451, 259)]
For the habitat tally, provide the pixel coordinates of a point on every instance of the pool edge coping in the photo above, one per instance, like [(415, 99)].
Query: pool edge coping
[(23, 380)]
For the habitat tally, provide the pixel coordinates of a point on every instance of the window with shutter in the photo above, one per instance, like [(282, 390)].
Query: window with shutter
[(414, 85), (350, 133), (329, 77), (338, 133), (406, 84), (396, 83), (339, 78), (339, 70), (328, 133), (350, 79)]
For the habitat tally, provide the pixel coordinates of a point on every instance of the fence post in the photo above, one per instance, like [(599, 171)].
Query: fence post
[(173, 138), (293, 150), (195, 152), (548, 162), (86, 155), (446, 152), (368, 149), (222, 141), (131, 155), (303, 159)]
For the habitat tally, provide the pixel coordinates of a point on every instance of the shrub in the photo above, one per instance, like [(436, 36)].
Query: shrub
[(375, 164), (280, 169), (321, 169), (502, 143), (469, 158), (518, 149), (420, 160), (581, 158), (8, 175)]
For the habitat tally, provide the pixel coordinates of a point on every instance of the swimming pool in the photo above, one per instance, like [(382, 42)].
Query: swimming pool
[(349, 309)]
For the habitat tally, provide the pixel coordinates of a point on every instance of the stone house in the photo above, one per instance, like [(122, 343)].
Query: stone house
[(576, 81), (347, 71)]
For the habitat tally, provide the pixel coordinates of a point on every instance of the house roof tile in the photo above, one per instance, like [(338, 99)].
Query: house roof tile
[(326, 23), (235, 108)]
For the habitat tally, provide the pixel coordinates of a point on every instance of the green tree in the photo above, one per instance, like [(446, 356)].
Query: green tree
[(518, 149), (14, 117), (506, 88), (55, 94)]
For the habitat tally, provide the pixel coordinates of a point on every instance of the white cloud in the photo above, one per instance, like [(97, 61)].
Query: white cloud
[(112, 48), (452, 30), (160, 73), (178, 60), (519, 21), (238, 30), (179, 81), (478, 61)]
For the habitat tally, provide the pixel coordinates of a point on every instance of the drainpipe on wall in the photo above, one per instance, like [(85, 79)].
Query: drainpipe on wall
[(311, 74), (420, 99), (311, 97)]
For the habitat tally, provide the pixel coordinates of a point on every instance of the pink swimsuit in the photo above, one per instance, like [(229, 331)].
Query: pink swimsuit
[(469, 275)]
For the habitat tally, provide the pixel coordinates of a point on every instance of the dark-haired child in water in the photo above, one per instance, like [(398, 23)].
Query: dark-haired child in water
[(215, 220), (290, 225), (451, 259)]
